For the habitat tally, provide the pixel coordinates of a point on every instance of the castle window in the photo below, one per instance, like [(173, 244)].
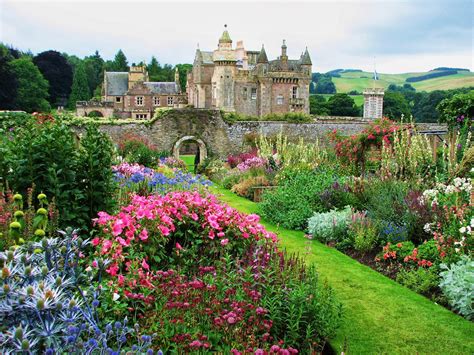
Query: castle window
[(244, 93), (156, 100), (253, 94), (118, 99), (170, 100), (279, 100), (295, 92), (139, 100)]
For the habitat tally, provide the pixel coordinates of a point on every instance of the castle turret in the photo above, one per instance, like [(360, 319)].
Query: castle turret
[(306, 62), (225, 42)]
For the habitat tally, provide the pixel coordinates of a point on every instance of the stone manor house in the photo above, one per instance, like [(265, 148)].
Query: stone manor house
[(131, 95), (246, 82)]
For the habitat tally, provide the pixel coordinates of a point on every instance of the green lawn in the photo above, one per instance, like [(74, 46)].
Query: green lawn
[(189, 160), (361, 80), (381, 316)]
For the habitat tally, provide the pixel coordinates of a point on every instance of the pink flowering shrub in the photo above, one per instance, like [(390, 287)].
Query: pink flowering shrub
[(234, 160), (252, 163), (180, 227)]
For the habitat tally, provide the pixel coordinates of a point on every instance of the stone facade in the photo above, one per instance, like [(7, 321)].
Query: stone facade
[(246, 82), (373, 103), (132, 95)]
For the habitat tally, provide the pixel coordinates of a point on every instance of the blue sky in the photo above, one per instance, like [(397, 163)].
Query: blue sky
[(403, 36)]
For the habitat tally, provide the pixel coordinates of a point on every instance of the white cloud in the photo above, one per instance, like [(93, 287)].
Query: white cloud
[(338, 34)]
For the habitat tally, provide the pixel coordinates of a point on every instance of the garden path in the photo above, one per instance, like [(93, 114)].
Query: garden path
[(380, 315)]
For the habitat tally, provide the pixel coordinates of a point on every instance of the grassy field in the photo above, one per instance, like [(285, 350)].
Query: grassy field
[(189, 160), (358, 99), (380, 316), (361, 80)]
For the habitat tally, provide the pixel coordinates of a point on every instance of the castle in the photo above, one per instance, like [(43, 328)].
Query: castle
[(131, 95), (246, 82)]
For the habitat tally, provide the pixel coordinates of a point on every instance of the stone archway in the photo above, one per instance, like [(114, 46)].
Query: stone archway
[(201, 144), (95, 113)]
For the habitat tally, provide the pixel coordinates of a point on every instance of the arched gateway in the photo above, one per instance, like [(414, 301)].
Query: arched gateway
[(201, 144)]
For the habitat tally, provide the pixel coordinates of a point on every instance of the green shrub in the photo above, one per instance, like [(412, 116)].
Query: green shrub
[(421, 280), (76, 176), (330, 226), (457, 284), (364, 232), (428, 251), (297, 197), (385, 201), (95, 176)]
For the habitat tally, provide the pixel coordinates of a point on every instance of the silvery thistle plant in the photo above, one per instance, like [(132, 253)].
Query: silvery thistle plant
[(44, 307)]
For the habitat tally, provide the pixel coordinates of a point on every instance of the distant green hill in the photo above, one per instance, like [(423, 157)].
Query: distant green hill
[(358, 80)]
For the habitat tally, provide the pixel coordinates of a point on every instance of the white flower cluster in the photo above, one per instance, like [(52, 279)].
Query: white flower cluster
[(459, 185)]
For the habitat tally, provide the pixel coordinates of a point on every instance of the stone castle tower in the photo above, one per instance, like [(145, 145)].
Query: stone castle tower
[(244, 81)]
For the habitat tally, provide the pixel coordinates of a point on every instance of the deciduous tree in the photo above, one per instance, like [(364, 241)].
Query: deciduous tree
[(32, 91)]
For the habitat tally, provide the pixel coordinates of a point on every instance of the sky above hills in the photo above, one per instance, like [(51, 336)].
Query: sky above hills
[(402, 36)]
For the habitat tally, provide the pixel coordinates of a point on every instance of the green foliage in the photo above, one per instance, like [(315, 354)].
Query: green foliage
[(120, 62), (80, 86), (46, 155), (395, 106), (297, 197), (457, 284), (330, 226), (183, 70), (325, 85), (385, 200), (94, 66), (318, 105), (454, 111), (57, 71), (9, 87), (420, 280), (342, 105), (32, 91), (95, 176), (77, 177), (428, 251), (363, 232)]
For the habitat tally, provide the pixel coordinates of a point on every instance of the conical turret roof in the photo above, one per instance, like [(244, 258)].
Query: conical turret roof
[(262, 56), (225, 38), (306, 59)]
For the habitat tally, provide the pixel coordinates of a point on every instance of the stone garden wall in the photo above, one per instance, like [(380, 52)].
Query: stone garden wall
[(223, 138)]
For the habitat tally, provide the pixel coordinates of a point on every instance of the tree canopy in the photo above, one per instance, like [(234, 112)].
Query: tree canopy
[(325, 85), (395, 105), (32, 91), (58, 72), (342, 105), (80, 87), (9, 86)]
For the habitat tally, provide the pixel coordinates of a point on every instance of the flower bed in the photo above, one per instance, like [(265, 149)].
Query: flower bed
[(213, 275)]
